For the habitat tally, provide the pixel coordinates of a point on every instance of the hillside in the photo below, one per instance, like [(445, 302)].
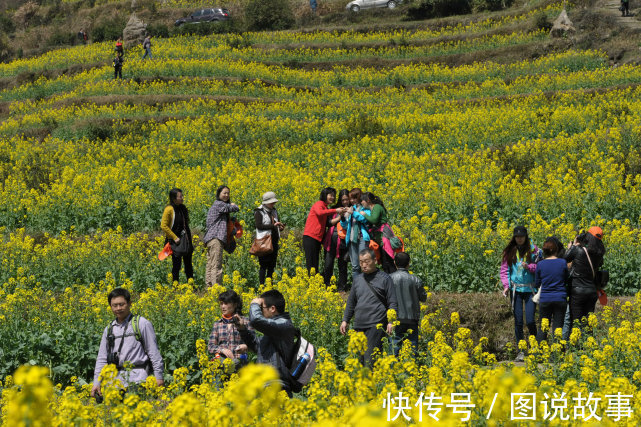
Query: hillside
[(465, 126)]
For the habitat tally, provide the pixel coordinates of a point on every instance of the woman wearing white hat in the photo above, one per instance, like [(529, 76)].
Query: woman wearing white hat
[(266, 219)]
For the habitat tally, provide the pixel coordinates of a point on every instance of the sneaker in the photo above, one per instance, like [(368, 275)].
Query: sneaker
[(520, 357)]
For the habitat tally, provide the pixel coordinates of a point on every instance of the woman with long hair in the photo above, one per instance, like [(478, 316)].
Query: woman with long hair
[(175, 225), (335, 247), (517, 275), (316, 225), (586, 255), (377, 218), (216, 234)]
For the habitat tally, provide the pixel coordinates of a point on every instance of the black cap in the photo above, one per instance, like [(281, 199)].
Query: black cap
[(519, 230)]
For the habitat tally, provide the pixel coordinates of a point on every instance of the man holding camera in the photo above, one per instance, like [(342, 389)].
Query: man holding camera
[(267, 315), (128, 340)]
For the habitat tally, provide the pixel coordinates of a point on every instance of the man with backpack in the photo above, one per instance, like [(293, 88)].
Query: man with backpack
[(128, 340), (278, 345), (371, 296), (118, 61)]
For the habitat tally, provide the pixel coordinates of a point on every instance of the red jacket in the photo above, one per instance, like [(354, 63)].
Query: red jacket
[(317, 220)]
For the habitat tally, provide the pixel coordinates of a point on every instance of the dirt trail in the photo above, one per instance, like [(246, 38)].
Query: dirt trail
[(611, 7)]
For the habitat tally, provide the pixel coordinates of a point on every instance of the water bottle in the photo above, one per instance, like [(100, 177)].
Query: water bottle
[(302, 362)]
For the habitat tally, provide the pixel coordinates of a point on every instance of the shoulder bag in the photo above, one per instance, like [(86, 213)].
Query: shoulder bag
[(262, 246), (184, 246)]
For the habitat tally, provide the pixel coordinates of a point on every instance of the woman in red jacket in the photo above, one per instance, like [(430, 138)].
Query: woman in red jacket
[(316, 225)]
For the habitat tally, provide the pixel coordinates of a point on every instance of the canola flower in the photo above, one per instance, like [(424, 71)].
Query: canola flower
[(458, 154), (602, 368)]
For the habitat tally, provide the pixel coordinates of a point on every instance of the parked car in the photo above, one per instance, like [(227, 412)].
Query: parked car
[(210, 14), (357, 5)]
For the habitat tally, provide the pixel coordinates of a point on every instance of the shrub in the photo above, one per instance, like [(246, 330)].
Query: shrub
[(6, 24), (480, 5), (59, 37), (108, 30), (273, 15), (158, 30), (542, 21), (438, 8), (207, 28)]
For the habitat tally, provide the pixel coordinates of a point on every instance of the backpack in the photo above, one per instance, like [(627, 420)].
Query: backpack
[(301, 347), (135, 325), (396, 242)]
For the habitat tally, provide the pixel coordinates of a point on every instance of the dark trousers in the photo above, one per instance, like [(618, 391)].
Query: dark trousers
[(267, 264), (402, 334), (582, 305), (519, 300), (312, 249), (555, 313), (374, 340), (177, 261), (330, 256), (117, 72), (387, 262)]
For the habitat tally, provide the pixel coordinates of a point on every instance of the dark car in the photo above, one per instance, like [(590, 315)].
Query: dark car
[(210, 14)]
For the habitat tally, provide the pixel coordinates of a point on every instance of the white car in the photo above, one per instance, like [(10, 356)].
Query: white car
[(357, 5)]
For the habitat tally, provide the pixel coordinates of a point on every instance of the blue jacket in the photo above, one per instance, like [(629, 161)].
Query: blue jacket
[(362, 223)]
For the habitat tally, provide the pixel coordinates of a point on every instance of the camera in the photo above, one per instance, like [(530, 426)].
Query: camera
[(113, 358)]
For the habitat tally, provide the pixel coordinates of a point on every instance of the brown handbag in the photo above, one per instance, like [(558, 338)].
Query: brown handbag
[(262, 246)]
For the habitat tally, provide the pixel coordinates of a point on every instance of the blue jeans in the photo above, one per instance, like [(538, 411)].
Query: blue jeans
[(147, 53), (354, 249), (400, 336), (520, 299)]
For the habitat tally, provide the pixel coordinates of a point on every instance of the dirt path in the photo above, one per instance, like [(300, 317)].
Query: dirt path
[(611, 7)]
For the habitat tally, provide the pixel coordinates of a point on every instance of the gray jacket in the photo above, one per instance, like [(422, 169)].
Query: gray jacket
[(409, 293), (365, 307), (279, 335)]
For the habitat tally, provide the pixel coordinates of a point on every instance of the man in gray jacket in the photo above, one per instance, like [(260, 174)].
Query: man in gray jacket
[(409, 293), (267, 315), (371, 296)]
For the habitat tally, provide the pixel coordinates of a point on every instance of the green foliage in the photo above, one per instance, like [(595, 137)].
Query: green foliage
[(207, 28), (6, 23), (272, 15), (482, 5), (438, 8), (542, 21), (158, 30), (60, 37), (238, 41), (108, 30)]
